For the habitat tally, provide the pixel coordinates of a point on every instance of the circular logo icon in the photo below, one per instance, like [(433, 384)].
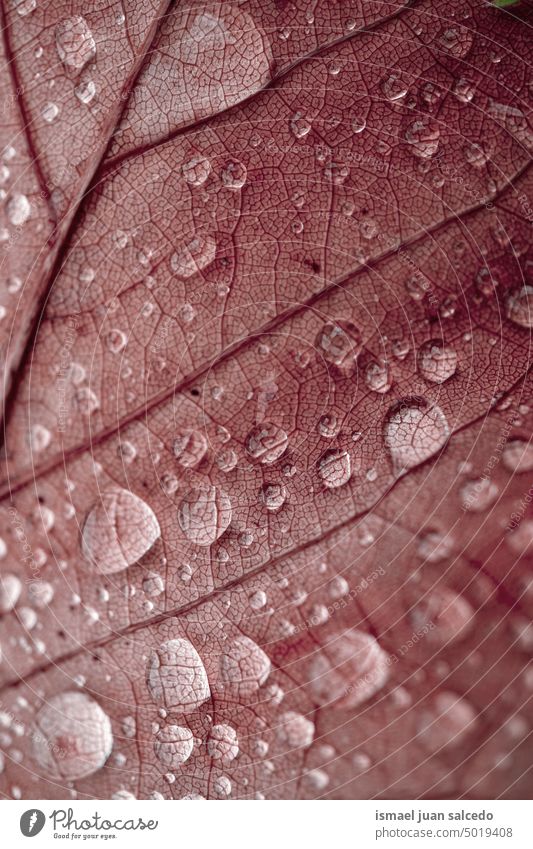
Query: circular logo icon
[(32, 822)]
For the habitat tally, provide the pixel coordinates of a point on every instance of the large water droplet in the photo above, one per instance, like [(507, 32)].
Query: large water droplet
[(443, 616), (335, 467), (234, 174), (518, 456), (436, 361), (173, 745), (204, 514), (348, 671), (196, 170), (446, 722), (479, 495), (295, 730), (120, 528), (190, 448), (266, 443), (176, 676), (222, 743), (193, 256), (519, 306), (18, 209), (10, 590), (414, 431), (339, 343), (73, 737), (423, 135), (273, 495), (243, 667), (75, 43)]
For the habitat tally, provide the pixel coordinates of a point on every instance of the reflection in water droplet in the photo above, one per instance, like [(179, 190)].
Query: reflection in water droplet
[(176, 676), (414, 431), (72, 737), (119, 529)]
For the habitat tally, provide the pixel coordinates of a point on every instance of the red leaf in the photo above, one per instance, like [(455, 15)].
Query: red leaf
[(266, 335)]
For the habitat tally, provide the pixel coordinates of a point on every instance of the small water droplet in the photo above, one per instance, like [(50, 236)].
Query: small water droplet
[(204, 514), (335, 468), (414, 432), (176, 676), (436, 361), (75, 43), (244, 667), (196, 170)]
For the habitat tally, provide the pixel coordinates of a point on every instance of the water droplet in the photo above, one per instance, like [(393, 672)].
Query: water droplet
[(475, 155), (258, 599), (176, 676), (234, 175), (18, 209), (336, 172), (443, 616), (266, 443), (196, 170), (295, 730), (436, 361), (273, 495), (519, 306), (75, 43), (315, 780), (10, 590), (358, 123), (116, 341), (518, 456), (120, 528), (204, 514), (222, 787), (339, 343), (73, 737), (328, 426), (243, 667), (86, 401), (173, 745), (464, 90), (423, 136), (40, 438), (299, 125), (479, 495), (335, 467), (393, 88), (378, 377), (50, 112), (446, 722), (222, 743), (24, 7), (520, 541), (85, 92), (349, 671), (40, 593), (190, 448), (193, 256), (414, 432), (456, 42)]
